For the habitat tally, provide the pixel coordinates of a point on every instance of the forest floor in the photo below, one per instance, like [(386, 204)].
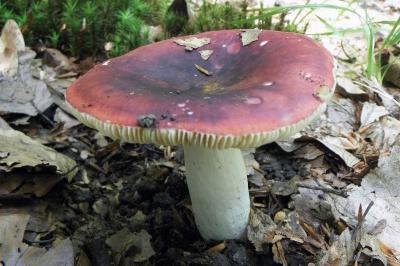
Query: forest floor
[(327, 196)]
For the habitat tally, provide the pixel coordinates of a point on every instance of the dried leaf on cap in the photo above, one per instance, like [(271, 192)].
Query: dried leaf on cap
[(205, 54), (249, 36), (192, 42)]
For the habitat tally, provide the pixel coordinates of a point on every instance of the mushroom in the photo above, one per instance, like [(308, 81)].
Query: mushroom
[(258, 93)]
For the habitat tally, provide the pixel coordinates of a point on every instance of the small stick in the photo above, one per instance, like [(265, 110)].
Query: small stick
[(325, 189)]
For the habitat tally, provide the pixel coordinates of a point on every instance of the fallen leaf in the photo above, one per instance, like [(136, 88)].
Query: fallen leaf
[(250, 35), (349, 159), (205, 54), (383, 133), (11, 42), (13, 251), (381, 187), (23, 93), (61, 117), (262, 229), (192, 42), (371, 113), (4, 124), (128, 245), (24, 154), (348, 88), (58, 61), (341, 252)]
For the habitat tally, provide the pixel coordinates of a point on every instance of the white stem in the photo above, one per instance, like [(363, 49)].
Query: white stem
[(218, 189)]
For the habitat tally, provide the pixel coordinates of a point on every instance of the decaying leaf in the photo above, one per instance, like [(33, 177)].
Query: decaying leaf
[(26, 159), (23, 93), (4, 124), (60, 62), (249, 160), (381, 187), (13, 251), (11, 42), (383, 133), (262, 229), (61, 117), (349, 159), (203, 70), (371, 113), (205, 54), (249, 36), (192, 42), (128, 246), (347, 87), (341, 252)]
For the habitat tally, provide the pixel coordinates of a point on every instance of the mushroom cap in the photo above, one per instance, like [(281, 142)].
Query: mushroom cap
[(256, 94)]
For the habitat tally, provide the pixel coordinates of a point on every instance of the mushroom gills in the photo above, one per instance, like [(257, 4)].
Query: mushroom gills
[(217, 183)]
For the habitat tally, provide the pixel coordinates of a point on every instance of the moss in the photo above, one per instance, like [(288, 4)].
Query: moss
[(82, 27)]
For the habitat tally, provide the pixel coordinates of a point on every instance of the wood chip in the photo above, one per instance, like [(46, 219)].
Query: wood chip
[(217, 248), (203, 70), (205, 54)]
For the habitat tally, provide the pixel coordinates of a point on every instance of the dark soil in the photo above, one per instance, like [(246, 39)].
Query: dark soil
[(127, 186)]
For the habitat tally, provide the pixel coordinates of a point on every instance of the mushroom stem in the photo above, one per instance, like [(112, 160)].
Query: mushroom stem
[(218, 189)]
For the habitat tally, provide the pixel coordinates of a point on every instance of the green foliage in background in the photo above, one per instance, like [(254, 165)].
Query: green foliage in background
[(82, 27)]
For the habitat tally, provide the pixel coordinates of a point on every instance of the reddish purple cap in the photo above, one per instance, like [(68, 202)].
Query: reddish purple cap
[(255, 94)]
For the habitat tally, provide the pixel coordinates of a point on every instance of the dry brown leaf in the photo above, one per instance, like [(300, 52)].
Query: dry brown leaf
[(192, 42), (11, 42), (20, 154), (13, 251), (205, 54), (250, 35)]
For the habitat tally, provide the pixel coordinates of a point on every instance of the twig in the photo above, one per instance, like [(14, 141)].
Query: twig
[(48, 120), (361, 221), (374, 86), (325, 189)]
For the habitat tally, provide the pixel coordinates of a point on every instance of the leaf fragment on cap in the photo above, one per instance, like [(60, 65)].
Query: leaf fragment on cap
[(205, 54), (249, 36), (203, 70), (323, 92), (192, 42)]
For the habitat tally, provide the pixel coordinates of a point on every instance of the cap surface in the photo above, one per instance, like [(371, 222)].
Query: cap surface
[(256, 94)]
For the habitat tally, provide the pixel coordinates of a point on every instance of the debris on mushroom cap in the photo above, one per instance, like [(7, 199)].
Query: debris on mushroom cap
[(205, 54), (192, 43), (323, 92), (147, 121), (247, 101), (203, 70), (249, 36)]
